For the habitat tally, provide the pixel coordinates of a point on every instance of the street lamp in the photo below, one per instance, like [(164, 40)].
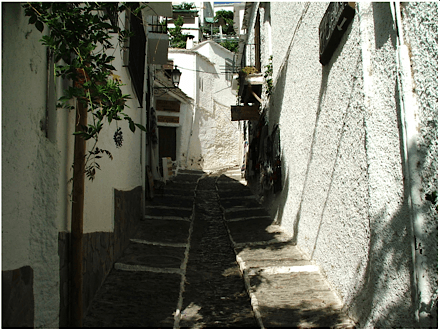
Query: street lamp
[(175, 79), (175, 76)]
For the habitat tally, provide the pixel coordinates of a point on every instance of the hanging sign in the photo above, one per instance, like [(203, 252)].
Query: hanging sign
[(168, 119), (164, 105), (332, 27), (245, 112)]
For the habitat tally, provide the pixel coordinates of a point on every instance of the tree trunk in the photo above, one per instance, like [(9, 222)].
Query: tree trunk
[(77, 219)]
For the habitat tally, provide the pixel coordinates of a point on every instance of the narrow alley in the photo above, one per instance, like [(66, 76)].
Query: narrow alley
[(207, 255), (245, 164)]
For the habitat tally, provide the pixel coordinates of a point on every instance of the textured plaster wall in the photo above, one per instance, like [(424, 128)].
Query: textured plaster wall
[(186, 62), (37, 150), (214, 140), (184, 132), (203, 138), (420, 22), (221, 136), (124, 172), (30, 165), (343, 192)]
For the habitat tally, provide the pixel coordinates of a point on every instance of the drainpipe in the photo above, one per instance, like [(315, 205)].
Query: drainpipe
[(409, 115)]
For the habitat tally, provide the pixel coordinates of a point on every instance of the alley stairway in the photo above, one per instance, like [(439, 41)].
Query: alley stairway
[(144, 288), (286, 290), (208, 255)]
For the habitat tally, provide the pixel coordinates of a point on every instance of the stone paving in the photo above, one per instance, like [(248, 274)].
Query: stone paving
[(209, 256), (286, 290)]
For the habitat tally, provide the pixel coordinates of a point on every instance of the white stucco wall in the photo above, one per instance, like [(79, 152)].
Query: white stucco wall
[(36, 169), (124, 172), (214, 139), (343, 198), (34, 194), (420, 29), (185, 62)]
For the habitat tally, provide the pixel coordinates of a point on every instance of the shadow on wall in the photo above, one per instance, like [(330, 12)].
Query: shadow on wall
[(389, 250), (390, 240)]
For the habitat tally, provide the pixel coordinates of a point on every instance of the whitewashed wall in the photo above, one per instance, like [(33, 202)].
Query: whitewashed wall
[(213, 143), (420, 28), (124, 172), (34, 167), (223, 134), (343, 198)]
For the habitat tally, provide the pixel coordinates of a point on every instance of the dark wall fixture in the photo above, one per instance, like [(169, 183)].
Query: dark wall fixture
[(333, 25)]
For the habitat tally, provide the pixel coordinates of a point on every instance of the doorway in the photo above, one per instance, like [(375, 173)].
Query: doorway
[(167, 142)]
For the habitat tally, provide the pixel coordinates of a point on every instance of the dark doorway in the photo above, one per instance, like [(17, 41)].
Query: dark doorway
[(167, 142)]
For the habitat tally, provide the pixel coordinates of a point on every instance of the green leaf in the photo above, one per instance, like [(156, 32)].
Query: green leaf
[(33, 19), (39, 25), (132, 126), (141, 127)]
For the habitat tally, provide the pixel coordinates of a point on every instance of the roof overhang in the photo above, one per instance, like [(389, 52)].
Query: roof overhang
[(158, 9)]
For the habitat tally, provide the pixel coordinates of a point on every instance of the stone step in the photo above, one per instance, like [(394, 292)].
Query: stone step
[(127, 299), (150, 255), (163, 231), (183, 185), (248, 213), (297, 300), (257, 230), (168, 211), (231, 203)]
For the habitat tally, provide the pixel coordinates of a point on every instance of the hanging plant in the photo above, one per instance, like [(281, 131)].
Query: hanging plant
[(78, 36), (268, 76)]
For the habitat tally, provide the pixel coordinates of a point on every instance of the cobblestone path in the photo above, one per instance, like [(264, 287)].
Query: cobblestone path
[(215, 295)]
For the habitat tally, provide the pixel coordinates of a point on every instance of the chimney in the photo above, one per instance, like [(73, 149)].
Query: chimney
[(190, 42)]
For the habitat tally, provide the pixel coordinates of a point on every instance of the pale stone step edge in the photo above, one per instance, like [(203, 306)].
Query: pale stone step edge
[(248, 218), (139, 268), (276, 270), (239, 208), (141, 241), (165, 217), (165, 207), (269, 242)]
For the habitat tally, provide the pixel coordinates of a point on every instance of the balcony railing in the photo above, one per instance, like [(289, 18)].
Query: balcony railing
[(248, 58), (157, 26)]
